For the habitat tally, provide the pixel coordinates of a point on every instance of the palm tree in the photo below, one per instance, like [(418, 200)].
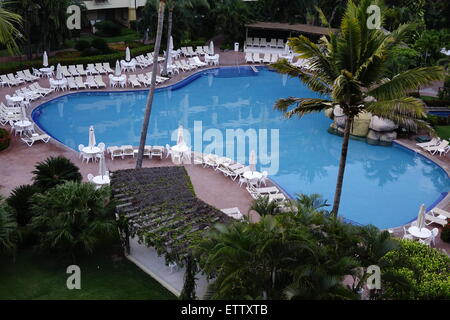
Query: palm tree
[(148, 107), (8, 29), (54, 171), (171, 5), (72, 218), (349, 67)]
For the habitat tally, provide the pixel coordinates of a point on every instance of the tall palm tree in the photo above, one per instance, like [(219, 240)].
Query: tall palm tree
[(9, 22), (349, 67), (171, 5), (148, 107)]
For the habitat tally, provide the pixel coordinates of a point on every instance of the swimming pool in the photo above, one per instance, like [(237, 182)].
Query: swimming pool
[(383, 186)]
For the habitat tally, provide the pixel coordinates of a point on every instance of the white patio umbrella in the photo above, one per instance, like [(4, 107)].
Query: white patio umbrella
[(180, 138), (252, 160), (102, 166), (58, 72), (421, 217), (211, 48), (118, 70), (169, 56), (91, 137), (45, 59), (23, 114), (171, 44), (127, 54), (286, 48)]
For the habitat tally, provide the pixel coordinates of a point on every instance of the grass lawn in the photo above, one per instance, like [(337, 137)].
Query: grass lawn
[(129, 35), (443, 132), (102, 277)]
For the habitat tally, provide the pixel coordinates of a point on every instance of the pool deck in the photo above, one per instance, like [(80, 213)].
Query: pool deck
[(19, 160)]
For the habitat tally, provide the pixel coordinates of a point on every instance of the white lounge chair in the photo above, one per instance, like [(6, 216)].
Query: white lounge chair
[(100, 69), (432, 219), (30, 140), (107, 67), (256, 58), (127, 150), (115, 151), (441, 146), (21, 75), (157, 151), (71, 83), (91, 69), (433, 142), (274, 58), (90, 82), (266, 58), (65, 71), (440, 213), (249, 57), (272, 43), (81, 70), (133, 81), (45, 91), (80, 83), (234, 213), (144, 80), (99, 81), (73, 70)]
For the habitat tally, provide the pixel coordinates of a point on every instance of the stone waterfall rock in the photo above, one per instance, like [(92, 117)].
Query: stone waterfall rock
[(381, 124), (361, 124)]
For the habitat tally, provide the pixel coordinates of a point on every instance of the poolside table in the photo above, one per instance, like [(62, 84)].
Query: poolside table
[(251, 175), (101, 180), (118, 80), (17, 100), (91, 150), (128, 66), (421, 233), (48, 72)]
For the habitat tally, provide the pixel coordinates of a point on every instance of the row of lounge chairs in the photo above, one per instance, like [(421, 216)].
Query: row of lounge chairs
[(256, 58), (199, 51), (435, 145), (128, 150), (263, 43)]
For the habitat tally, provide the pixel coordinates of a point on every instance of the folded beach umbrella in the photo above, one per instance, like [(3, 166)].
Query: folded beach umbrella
[(91, 137)]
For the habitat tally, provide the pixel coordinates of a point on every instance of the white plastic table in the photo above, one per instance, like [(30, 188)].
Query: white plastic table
[(23, 123), (129, 66), (182, 148), (59, 84), (118, 80), (101, 180), (212, 59), (422, 233), (17, 100), (251, 175), (91, 150), (46, 71)]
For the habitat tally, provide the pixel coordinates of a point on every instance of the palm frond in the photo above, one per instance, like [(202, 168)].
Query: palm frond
[(402, 83), (302, 106)]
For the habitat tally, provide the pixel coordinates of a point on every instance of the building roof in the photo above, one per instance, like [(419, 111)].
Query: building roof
[(302, 28)]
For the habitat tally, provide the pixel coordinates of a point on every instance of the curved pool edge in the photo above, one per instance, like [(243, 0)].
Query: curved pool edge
[(442, 199)]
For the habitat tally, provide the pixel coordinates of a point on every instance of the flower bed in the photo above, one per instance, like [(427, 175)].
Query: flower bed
[(161, 208)]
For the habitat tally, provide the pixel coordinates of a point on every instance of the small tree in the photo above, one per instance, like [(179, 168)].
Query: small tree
[(72, 218), (8, 229), (54, 171)]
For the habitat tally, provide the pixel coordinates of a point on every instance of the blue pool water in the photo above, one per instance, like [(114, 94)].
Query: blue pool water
[(440, 113), (383, 186)]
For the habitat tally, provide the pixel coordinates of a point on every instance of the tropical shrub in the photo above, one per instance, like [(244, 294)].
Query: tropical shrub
[(81, 45), (101, 45), (8, 229), (72, 218), (108, 28), (445, 233), (5, 139), (54, 171), (20, 203), (264, 206), (444, 92), (89, 52), (420, 272)]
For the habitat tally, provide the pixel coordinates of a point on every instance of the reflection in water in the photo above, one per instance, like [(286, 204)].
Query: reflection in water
[(383, 185)]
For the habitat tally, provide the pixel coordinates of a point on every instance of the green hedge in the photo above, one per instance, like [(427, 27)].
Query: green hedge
[(111, 58), (5, 139)]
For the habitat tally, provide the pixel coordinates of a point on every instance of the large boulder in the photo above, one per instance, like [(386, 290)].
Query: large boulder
[(340, 121), (337, 111), (373, 135), (361, 124), (388, 136), (381, 124), (329, 113)]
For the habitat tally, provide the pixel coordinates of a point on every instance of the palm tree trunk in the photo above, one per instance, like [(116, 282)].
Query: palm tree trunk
[(169, 34), (148, 108), (342, 162)]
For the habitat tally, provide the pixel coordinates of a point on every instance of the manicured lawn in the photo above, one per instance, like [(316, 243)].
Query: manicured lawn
[(443, 132), (102, 277)]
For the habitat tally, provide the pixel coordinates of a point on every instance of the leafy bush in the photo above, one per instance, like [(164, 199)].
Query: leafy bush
[(415, 271), (108, 28), (81, 45), (5, 139), (438, 103), (73, 218), (90, 52), (20, 202), (445, 233), (444, 92), (101, 45), (54, 171)]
